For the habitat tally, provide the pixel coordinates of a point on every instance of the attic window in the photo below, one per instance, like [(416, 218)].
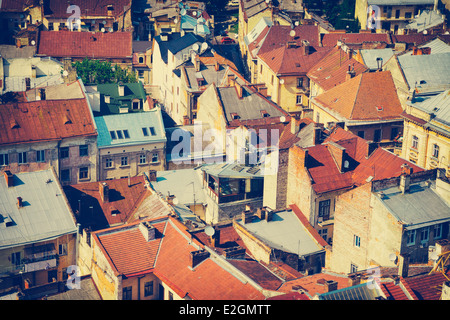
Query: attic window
[(152, 131), (125, 134), (113, 135), (67, 119), (145, 132), (235, 116), (114, 212), (265, 114), (297, 65), (110, 7), (119, 134), (14, 124)]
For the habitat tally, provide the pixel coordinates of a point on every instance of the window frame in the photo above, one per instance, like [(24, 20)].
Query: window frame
[(142, 158), (124, 159), (439, 226), (149, 288), (40, 156), (64, 152), (415, 142), (424, 231), (83, 173), (153, 157), (22, 157), (356, 241), (108, 161), (83, 150), (323, 205), (4, 159), (411, 234), (435, 151), (127, 293)]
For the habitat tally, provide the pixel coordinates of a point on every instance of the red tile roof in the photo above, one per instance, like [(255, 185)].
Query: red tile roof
[(427, 287), (332, 69), (123, 201), (360, 97), (393, 291), (414, 38), (58, 8), (93, 45), (208, 281), (128, 251), (331, 39), (326, 176), (45, 120)]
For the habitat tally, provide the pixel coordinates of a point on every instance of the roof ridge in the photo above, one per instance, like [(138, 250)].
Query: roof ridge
[(356, 95)]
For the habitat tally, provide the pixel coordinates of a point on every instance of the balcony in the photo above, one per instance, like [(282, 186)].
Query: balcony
[(36, 258)]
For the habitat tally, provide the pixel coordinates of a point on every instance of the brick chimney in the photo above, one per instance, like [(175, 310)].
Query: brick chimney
[(350, 73), (331, 285), (261, 213), (353, 280), (239, 89), (403, 265), (269, 214), (294, 126), (262, 90), (103, 189), (338, 153), (196, 62), (9, 178), (215, 238), (216, 65), (196, 257), (19, 202), (153, 175), (247, 216), (147, 230), (405, 178), (236, 252)]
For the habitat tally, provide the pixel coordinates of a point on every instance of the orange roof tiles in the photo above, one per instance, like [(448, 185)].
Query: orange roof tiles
[(393, 291), (92, 45), (326, 176), (45, 120), (332, 69), (331, 39), (368, 97), (58, 9), (427, 287)]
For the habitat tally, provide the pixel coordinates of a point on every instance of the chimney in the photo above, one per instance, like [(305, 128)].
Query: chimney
[(147, 230), (262, 90), (294, 126), (107, 98), (350, 53), (170, 198), (196, 63), (42, 93), (121, 89), (445, 295), (153, 175), (338, 153), (19, 202), (8, 178), (215, 238), (33, 72), (236, 252), (331, 285), (405, 178), (247, 216), (353, 280), (104, 191), (261, 213), (198, 256), (239, 89), (269, 214), (403, 265), (216, 66), (350, 73)]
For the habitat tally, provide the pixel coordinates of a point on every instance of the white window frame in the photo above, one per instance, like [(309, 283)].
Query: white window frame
[(108, 163), (440, 228), (40, 156), (22, 157), (124, 161), (153, 157), (411, 237), (142, 158), (4, 159)]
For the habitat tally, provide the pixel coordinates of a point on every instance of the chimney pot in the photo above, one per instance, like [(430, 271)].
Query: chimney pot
[(104, 191), (153, 175), (331, 285), (19, 202), (403, 265), (9, 178), (198, 256)]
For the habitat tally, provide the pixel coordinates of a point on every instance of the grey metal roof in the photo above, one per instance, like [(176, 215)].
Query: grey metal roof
[(208, 73), (419, 207), (370, 56), (284, 232), (45, 214), (430, 72), (359, 292), (249, 107), (232, 170), (436, 46), (185, 184), (426, 19), (438, 105)]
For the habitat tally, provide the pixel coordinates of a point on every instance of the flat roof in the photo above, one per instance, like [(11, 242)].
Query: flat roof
[(45, 214)]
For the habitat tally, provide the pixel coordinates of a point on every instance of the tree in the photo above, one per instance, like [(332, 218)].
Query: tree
[(97, 72)]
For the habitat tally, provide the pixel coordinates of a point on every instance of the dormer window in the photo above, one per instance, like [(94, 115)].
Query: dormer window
[(235, 116), (265, 114)]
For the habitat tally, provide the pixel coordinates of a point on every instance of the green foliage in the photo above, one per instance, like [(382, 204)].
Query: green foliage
[(97, 72), (215, 7)]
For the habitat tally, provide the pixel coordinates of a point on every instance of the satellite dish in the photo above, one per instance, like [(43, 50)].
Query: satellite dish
[(297, 23), (282, 119), (282, 81), (33, 42), (204, 46), (392, 257), (183, 12), (103, 30), (194, 13), (292, 33), (434, 256), (175, 20), (65, 73), (110, 29), (195, 47), (209, 231), (175, 201), (425, 31)]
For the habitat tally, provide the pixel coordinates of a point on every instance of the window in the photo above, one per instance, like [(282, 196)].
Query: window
[(119, 134), (127, 293), (145, 132), (323, 233), (64, 152), (135, 105), (113, 135), (124, 161), (361, 134), (437, 231), (40, 156), (152, 131), (377, 135), (15, 258), (142, 159), (411, 237), (50, 26), (83, 150), (435, 151), (141, 60), (126, 134), (148, 289), (356, 241), (299, 82), (22, 157), (62, 249), (155, 157), (408, 15), (170, 295), (424, 234), (260, 69), (84, 173), (4, 159), (353, 268), (415, 142), (52, 276), (65, 175), (299, 99), (394, 133), (324, 209), (108, 163)]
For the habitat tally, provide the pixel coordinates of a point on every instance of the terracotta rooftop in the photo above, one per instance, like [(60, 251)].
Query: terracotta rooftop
[(331, 39), (326, 175), (124, 201), (333, 68), (58, 9), (93, 45), (427, 287), (45, 120), (360, 98)]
